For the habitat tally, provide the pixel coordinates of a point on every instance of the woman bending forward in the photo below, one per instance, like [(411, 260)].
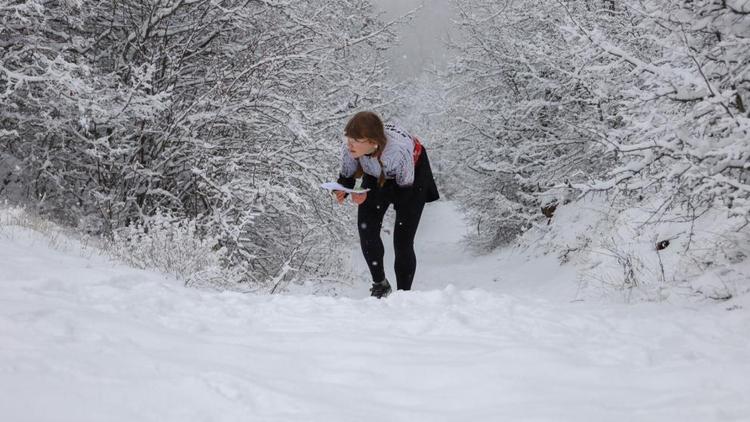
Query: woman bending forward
[(395, 167)]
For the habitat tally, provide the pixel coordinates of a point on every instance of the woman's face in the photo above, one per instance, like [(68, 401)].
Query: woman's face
[(360, 147)]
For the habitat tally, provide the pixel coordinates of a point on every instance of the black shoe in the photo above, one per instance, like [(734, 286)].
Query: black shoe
[(380, 290)]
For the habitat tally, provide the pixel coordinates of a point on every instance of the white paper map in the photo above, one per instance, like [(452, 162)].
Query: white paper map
[(332, 186)]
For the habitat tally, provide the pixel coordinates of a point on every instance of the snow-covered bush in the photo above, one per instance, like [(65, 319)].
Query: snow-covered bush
[(640, 102), (682, 140), (620, 250), (14, 220), (524, 119), (683, 132), (226, 115), (174, 246)]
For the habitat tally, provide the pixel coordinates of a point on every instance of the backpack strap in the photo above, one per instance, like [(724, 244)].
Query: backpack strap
[(417, 150)]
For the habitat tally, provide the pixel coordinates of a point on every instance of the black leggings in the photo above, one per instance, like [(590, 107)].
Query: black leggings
[(370, 220)]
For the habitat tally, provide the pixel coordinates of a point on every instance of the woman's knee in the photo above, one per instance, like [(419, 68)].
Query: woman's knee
[(403, 246)]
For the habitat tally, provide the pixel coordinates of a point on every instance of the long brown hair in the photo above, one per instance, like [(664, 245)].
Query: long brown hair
[(367, 125)]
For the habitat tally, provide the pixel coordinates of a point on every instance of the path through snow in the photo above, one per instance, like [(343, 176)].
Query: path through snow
[(82, 339)]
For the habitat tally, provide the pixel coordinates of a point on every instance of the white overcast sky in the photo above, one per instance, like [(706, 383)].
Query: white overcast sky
[(421, 41)]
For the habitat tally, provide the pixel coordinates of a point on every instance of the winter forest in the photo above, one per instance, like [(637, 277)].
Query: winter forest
[(215, 122), (609, 139)]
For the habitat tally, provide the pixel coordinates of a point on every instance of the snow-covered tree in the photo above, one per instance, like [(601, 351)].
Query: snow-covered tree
[(223, 112), (640, 98), (525, 117), (642, 103), (684, 126)]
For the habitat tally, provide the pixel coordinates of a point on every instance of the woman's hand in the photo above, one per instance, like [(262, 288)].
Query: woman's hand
[(340, 196), (359, 198)]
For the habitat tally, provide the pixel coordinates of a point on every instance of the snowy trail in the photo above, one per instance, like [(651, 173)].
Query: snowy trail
[(84, 340), (442, 260)]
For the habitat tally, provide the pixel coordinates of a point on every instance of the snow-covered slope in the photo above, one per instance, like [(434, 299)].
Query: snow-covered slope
[(482, 339)]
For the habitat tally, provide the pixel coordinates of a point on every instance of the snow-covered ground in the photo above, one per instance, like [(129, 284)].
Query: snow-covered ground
[(502, 337)]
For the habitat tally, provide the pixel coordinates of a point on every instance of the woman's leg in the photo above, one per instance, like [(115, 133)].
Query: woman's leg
[(407, 221), (369, 221)]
